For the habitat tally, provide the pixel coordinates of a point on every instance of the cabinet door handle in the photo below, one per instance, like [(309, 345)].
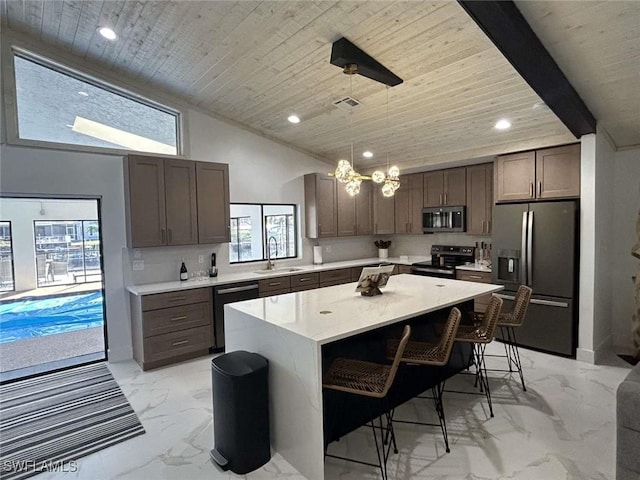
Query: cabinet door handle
[(440, 199), (445, 199), (482, 226), (162, 235), (181, 342), (176, 299), (488, 226), (375, 228), (177, 319), (539, 188), (531, 189), (169, 232)]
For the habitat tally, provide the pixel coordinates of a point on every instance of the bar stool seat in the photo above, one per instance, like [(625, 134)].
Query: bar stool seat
[(369, 379), (433, 354)]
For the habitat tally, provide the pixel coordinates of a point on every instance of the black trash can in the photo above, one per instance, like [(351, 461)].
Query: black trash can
[(240, 411)]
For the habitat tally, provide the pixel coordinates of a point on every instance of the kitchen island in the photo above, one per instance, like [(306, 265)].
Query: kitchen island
[(291, 330)]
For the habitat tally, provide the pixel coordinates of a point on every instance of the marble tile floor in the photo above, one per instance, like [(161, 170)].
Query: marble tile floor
[(563, 427)]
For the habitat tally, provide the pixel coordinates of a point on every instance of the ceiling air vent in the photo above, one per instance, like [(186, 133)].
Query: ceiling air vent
[(347, 103)]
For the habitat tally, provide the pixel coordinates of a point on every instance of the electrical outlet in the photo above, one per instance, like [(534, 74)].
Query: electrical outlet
[(138, 264), (137, 253), (200, 258)]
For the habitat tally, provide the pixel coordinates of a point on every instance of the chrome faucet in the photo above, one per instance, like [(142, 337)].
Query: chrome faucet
[(270, 264)]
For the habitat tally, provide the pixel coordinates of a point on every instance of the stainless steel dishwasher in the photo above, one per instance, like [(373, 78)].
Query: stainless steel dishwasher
[(233, 292)]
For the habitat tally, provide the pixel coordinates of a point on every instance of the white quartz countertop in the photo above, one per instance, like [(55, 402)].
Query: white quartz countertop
[(328, 314), (281, 270), (474, 267)]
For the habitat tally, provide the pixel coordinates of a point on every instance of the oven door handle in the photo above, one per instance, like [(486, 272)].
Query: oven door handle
[(432, 270)]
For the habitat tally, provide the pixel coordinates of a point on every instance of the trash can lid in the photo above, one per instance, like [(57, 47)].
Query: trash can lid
[(239, 363)]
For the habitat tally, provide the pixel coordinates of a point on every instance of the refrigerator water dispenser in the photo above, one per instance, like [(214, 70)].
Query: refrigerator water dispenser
[(509, 266)]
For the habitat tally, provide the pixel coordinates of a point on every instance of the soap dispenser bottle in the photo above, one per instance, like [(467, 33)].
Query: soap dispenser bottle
[(214, 270)]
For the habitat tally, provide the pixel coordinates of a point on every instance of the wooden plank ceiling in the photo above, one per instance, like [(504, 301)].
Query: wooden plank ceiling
[(256, 62)]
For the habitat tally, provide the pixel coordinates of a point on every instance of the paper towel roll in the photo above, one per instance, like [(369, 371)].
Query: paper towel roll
[(317, 255)]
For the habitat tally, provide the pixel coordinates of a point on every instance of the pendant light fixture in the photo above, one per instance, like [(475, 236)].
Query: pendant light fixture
[(390, 181), (345, 172)]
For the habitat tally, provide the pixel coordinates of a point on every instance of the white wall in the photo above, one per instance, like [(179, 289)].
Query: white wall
[(42, 172), (626, 204)]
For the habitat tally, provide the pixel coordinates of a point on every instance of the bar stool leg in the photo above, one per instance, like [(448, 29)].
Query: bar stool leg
[(484, 379), (516, 358), (437, 398)]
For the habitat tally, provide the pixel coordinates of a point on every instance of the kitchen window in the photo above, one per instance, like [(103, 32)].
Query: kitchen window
[(60, 106), (260, 228)]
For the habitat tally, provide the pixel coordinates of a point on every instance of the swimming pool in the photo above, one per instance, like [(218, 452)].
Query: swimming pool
[(35, 317)]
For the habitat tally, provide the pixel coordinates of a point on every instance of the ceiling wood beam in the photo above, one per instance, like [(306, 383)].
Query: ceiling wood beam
[(505, 26), (344, 53)]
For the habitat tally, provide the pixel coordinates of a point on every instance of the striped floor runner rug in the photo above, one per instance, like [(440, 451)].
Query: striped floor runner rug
[(48, 422)]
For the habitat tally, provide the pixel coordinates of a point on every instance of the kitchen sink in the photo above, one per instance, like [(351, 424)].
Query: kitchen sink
[(279, 270)]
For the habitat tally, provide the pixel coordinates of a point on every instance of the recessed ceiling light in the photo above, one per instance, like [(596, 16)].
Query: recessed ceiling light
[(107, 33), (367, 154), (294, 119), (502, 124), (84, 94)]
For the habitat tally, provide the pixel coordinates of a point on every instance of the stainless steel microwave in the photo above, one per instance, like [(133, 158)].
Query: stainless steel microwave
[(444, 219)]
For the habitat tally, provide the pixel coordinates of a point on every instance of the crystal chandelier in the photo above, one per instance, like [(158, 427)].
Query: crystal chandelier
[(390, 180)]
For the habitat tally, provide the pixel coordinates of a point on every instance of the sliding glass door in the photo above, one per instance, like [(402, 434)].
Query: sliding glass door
[(53, 315)]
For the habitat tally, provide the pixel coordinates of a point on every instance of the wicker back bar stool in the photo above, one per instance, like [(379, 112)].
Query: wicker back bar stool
[(508, 322), (479, 336), (368, 379), (433, 354)]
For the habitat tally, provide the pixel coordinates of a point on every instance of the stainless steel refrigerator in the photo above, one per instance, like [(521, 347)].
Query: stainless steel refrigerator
[(536, 244)]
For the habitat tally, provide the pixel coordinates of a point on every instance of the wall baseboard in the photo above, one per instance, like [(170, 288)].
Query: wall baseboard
[(596, 357), (585, 355)]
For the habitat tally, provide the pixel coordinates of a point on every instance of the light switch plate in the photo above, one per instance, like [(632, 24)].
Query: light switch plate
[(138, 264), (137, 253), (200, 258)]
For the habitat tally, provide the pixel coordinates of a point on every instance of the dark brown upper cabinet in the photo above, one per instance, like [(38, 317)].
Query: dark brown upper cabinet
[(167, 204), (479, 198), (383, 212), (331, 212), (320, 202), (364, 209), (214, 222), (346, 211), (542, 174), (160, 195), (558, 172), (408, 204), (445, 187)]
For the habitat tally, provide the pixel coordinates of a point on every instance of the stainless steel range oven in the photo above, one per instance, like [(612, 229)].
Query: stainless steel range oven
[(444, 260)]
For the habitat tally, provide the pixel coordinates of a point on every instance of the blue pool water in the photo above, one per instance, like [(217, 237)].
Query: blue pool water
[(31, 318)]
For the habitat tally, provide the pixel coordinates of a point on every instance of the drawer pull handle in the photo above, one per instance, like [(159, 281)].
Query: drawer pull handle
[(177, 319), (475, 276), (177, 299), (275, 284), (181, 342), (304, 279)]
